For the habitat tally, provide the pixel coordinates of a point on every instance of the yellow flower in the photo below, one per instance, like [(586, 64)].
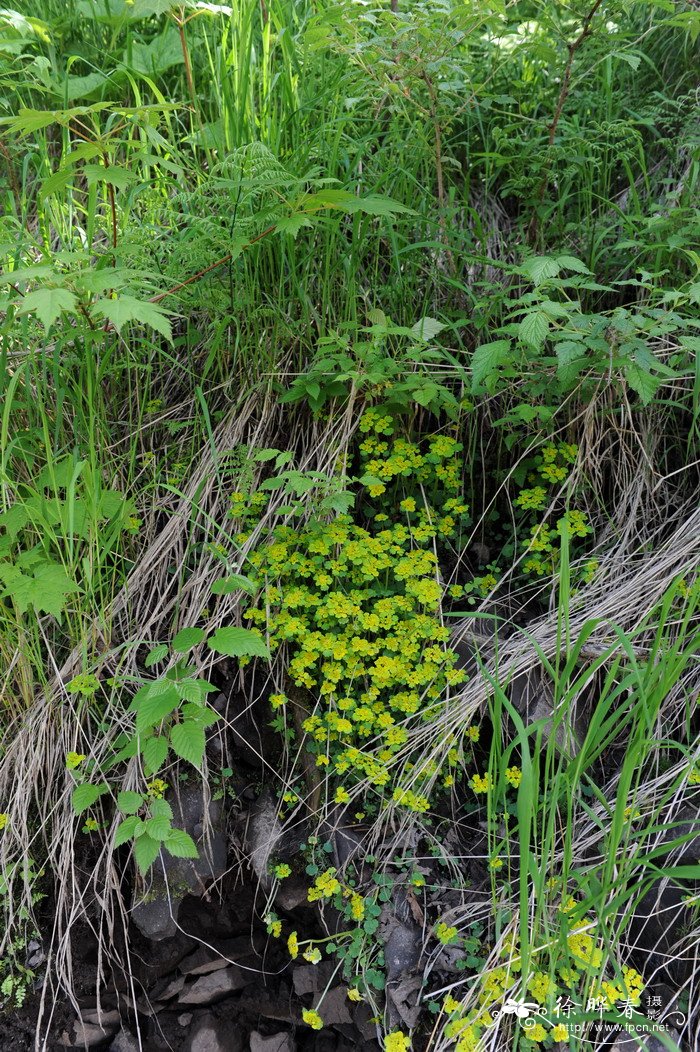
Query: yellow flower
[(312, 1019), (537, 1033), (560, 1032), (74, 759), (480, 783), (514, 775), (450, 1005), (396, 1042), (473, 733), (445, 934), (282, 870), (342, 796), (354, 994), (312, 954), (293, 945)]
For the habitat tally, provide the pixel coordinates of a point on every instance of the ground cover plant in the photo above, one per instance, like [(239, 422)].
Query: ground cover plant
[(349, 534)]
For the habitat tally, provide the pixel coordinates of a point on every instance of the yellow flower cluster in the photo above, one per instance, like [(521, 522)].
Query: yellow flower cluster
[(312, 1019), (446, 934), (356, 608), (396, 1042), (325, 886)]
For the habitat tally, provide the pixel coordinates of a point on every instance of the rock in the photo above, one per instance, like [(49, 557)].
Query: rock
[(276, 1043), (125, 1042), (361, 1018), (213, 1035), (333, 1006), (108, 1019), (156, 912), (202, 961), (266, 1005), (185, 1019), (312, 978), (215, 985), (292, 893), (86, 1035), (169, 989)]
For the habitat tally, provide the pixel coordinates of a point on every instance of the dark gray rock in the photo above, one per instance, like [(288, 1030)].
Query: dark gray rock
[(643, 1042), (213, 1035), (275, 1043), (214, 986), (86, 1035), (155, 911), (312, 978), (333, 1006), (125, 1042)]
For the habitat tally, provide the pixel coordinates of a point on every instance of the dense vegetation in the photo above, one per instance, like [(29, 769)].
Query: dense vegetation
[(349, 368)]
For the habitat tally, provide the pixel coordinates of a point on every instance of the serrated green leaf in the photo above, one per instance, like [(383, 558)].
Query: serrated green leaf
[(486, 359), (154, 752), (154, 709), (85, 795), (125, 830), (157, 827), (112, 174), (180, 844), (160, 808), (155, 655), (127, 309), (539, 268), (427, 329), (238, 642), (533, 329), (48, 305), (129, 802), (201, 714), (572, 263), (190, 689), (642, 382), (233, 583), (146, 851), (188, 638), (188, 741), (45, 588)]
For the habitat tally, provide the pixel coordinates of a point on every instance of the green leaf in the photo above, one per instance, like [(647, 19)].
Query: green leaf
[(154, 708), (85, 795), (427, 329), (539, 268), (572, 263), (238, 642), (160, 808), (146, 851), (233, 583), (45, 589), (180, 844), (126, 309), (155, 655), (188, 638), (129, 802), (486, 359), (201, 714), (126, 830), (187, 740), (48, 305), (641, 381), (115, 176), (533, 329), (157, 827)]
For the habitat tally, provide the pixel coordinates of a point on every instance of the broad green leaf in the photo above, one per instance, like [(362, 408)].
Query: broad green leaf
[(572, 263), (85, 795), (129, 802), (533, 329), (190, 690), (643, 382), (187, 740), (45, 589), (188, 638), (201, 714), (157, 827), (233, 583), (180, 844), (154, 708), (126, 830), (238, 642), (486, 359), (160, 808), (115, 176), (539, 268), (427, 329), (126, 309), (48, 305), (159, 54), (146, 851), (156, 654)]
